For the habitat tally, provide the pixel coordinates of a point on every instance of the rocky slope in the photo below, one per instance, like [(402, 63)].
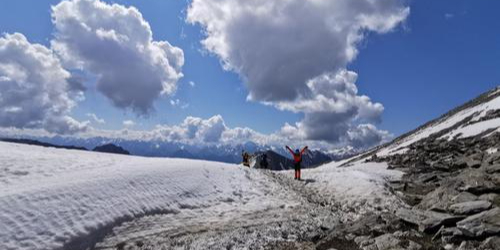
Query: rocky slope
[(451, 184), (38, 143)]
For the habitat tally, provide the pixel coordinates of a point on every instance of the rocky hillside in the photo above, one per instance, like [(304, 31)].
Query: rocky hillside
[(38, 143), (111, 148), (451, 184)]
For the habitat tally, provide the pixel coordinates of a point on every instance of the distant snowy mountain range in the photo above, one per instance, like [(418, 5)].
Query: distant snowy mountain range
[(222, 153)]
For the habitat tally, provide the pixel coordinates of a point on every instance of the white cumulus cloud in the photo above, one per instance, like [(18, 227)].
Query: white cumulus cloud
[(116, 44), (277, 46), (294, 55), (367, 135), (96, 119), (194, 129), (35, 90), (332, 109), (128, 123)]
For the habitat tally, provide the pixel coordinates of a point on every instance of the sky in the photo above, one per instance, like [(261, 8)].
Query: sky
[(349, 73)]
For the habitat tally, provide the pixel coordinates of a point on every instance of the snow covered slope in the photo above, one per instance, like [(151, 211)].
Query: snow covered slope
[(54, 198), (69, 199), (473, 118)]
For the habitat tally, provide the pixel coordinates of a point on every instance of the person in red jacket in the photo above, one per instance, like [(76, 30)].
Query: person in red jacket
[(297, 160)]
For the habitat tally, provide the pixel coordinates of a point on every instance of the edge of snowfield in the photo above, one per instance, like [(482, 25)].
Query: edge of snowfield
[(56, 198), (358, 187)]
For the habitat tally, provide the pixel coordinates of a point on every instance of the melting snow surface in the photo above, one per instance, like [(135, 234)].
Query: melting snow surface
[(360, 181), (360, 187), (49, 197)]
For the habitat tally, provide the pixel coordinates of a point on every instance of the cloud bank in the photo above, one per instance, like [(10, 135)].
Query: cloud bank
[(213, 131), (115, 43), (293, 55)]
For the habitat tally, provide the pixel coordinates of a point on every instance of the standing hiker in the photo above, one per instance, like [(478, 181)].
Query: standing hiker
[(297, 160), (246, 158), (263, 162)]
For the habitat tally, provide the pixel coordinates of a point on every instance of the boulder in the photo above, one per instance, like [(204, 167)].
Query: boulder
[(491, 243), (467, 245), (389, 242), (385, 242), (408, 234), (470, 207), (473, 161), (413, 246), (464, 197), (439, 199), (373, 224), (411, 216), (479, 155), (440, 166), (492, 169), (460, 163), (363, 241), (427, 221), (449, 247), (483, 224), (478, 182), (426, 178), (435, 220), (491, 159), (329, 223), (452, 234), (491, 197)]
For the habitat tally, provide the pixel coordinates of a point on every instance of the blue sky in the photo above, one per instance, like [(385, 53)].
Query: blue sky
[(443, 54), (167, 22), (449, 54)]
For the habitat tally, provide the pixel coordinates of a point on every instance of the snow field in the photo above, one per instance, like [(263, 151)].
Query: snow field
[(51, 197), (56, 198)]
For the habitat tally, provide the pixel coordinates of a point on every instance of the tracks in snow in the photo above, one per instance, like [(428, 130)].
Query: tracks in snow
[(288, 215)]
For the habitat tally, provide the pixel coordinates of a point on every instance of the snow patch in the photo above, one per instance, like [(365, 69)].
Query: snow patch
[(491, 151), (477, 112), (473, 129), (362, 186)]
